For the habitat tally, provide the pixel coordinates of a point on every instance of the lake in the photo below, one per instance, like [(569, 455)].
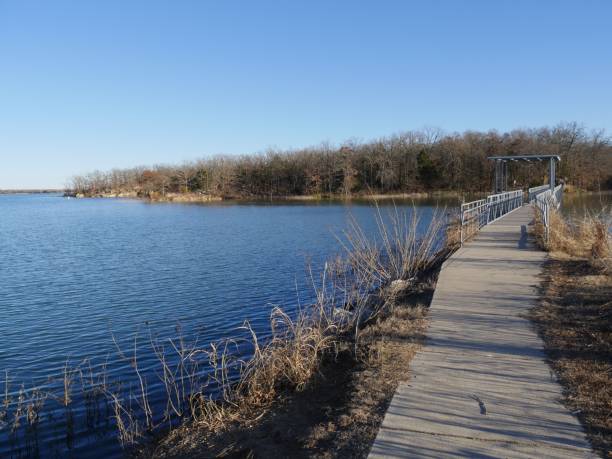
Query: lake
[(575, 205), (76, 272)]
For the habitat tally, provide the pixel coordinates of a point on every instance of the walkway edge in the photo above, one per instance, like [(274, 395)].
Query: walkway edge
[(481, 386)]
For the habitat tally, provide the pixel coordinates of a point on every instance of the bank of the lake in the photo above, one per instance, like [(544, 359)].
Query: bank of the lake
[(32, 191), (86, 270), (206, 198), (578, 200), (339, 412), (77, 272)]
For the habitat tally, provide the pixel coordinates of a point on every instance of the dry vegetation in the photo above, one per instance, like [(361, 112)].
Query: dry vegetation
[(350, 333), (588, 238), (575, 319), (355, 291), (339, 410)]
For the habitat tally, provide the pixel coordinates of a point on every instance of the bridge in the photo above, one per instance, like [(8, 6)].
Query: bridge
[(481, 386)]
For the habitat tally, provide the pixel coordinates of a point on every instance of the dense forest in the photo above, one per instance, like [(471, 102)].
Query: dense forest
[(420, 161)]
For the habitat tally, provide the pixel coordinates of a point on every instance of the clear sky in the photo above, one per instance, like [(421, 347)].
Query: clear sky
[(114, 83)]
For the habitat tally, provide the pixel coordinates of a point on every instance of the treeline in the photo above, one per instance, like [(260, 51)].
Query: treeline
[(409, 162)]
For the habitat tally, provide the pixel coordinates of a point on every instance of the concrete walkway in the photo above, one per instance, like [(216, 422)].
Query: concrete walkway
[(481, 387)]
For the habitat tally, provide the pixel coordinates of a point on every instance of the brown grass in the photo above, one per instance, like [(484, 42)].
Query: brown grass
[(574, 319), (212, 390), (353, 291), (585, 238), (339, 410)]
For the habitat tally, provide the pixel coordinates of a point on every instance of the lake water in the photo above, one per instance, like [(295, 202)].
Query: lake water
[(576, 204), (75, 272)]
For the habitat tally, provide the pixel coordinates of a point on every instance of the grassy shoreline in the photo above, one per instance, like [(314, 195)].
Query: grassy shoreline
[(574, 319), (358, 302), (339, 412), (282, 405)]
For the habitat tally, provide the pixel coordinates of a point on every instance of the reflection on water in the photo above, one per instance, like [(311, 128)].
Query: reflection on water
[(576, 205)]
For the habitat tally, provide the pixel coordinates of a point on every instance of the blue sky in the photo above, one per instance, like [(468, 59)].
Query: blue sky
[(99, 84)]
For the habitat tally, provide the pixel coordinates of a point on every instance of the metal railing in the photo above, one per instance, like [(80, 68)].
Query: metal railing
[(544, 202), (502, 203), (476, 214), (536, 190)]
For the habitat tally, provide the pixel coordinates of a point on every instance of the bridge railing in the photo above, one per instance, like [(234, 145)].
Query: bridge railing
[(502, 203), (476, 214), (536, 190), (545, 202)]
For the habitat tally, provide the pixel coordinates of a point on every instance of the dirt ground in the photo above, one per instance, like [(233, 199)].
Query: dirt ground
[(339, 413), (574, 319)]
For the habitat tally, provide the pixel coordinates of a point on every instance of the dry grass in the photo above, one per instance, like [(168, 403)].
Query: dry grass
[(574, 319), (213, 390), (453, 233), (339, 410), (400, 252), (286, 362), (353, 291), (586, 238)]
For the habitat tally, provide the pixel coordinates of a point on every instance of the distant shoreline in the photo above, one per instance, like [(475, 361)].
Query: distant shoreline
[(31, 191), (205, 198)]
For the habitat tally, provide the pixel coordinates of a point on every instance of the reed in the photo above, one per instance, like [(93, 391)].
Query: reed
[(352, 290), (210, 385), (588, 237)]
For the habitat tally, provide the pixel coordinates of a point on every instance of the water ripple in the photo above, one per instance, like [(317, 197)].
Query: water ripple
[(72, 271)]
